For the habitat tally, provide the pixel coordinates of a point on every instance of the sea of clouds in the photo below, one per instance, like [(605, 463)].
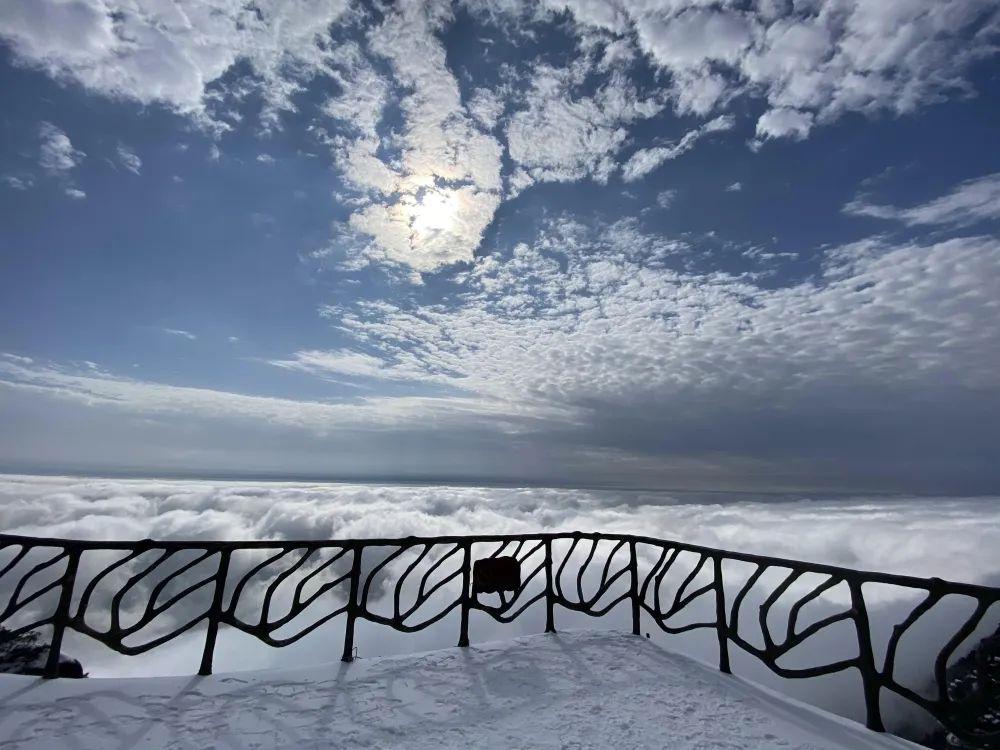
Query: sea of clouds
[(945, 537)]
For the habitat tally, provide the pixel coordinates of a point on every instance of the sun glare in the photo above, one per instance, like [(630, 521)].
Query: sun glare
[(435, 212)]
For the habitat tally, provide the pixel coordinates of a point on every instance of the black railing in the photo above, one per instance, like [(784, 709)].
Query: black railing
[(409, 584)]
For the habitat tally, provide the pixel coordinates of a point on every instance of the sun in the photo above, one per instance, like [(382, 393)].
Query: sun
[(436, 211)]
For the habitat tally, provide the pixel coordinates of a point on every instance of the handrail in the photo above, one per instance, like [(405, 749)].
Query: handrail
[(208, 581)]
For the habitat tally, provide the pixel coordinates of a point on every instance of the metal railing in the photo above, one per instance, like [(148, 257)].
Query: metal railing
[(411, 583)]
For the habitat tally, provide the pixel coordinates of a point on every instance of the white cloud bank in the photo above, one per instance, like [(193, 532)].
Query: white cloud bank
[(952, 538)]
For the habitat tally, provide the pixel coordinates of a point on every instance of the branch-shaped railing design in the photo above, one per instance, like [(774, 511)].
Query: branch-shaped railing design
[(148, 593)]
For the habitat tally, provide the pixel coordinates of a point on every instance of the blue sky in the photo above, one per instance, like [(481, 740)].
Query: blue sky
[(705, 244)]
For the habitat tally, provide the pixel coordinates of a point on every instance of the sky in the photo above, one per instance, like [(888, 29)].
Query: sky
[(727, 245)]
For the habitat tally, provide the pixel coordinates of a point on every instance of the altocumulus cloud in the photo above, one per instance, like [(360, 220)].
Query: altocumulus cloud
[(426, 191), (596, 353), (607, 325)]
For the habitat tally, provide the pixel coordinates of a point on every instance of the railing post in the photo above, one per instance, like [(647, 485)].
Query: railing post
[(721, 619), (61, 616), (215, 613), (866, 658), (352, 606), (634, 592), (463, 638), (550, 626)]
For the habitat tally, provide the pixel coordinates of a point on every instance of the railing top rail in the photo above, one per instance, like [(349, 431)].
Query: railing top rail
[(898, 579)]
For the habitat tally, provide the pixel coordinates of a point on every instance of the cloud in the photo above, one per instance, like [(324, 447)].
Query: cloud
[(107, 46), (784, 122), (865, 532), (951, 538), (568, 122), (129, 159), (428, 205), (180, 334), (734, 187), (553, 133), (339, 362), (486, 106), (595, 336), (550, 289), (100, 389), (56, 412), (75, 193), (645, 160), (265, 158), (433, 228), (691, 45), (564, 136), (440, 140), (811, 63), (56, 154), (603, 324), (968, 203), (695, 36), (665, 198), (364, 92), (560, 118), (604, 15), (17, 183)]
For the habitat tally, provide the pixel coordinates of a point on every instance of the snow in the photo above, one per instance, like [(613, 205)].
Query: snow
[(572, 690)]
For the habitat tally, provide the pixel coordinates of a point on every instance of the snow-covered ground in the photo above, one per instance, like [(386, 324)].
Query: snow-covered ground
[(571, 690)]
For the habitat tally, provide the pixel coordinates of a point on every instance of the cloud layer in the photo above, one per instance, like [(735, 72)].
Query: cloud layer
[(483, 318), (812, 62), (169, 52), (952, 538), (430, 172), (603, 340)]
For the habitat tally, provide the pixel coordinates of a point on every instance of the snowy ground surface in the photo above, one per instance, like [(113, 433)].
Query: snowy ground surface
[(572, 690)]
